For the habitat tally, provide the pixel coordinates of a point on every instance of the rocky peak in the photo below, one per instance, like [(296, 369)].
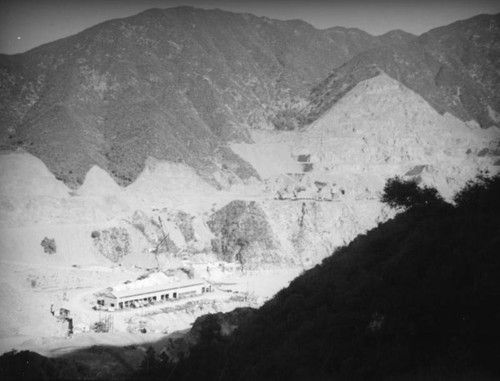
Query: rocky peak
[(449, 71), (397, 36)]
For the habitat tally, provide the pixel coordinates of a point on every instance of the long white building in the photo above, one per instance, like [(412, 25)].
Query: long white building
[(137, 296)]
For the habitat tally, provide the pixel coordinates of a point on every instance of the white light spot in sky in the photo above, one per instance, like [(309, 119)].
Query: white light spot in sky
[(18, 37)]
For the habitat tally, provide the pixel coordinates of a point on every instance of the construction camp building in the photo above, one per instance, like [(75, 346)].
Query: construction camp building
[(134, 297)]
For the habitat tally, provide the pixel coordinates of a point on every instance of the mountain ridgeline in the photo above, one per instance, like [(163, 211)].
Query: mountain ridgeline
[(180, 84)]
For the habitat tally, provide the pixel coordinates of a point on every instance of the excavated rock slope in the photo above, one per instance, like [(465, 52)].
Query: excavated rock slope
[(321, 188)]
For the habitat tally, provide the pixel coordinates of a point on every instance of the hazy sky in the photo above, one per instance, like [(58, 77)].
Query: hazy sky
[(25, 24)]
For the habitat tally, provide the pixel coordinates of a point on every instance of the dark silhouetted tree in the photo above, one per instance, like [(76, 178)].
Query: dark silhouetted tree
[(150, 363), (406, 194), (482, 192)]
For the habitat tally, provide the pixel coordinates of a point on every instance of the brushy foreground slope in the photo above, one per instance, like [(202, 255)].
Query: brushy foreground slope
[(415, 297)]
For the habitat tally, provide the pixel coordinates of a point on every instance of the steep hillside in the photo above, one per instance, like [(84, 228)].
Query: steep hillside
[(474, 44), (414, 298), (179, 84), (320, 188), (176, 84), (378, 129), (454, 68)]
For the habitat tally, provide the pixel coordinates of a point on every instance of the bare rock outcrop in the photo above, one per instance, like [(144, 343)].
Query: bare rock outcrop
[(243, 234)]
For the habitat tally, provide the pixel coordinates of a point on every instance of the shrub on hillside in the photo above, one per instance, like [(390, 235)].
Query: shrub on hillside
[(113, 243), (481, 192), (405, 194), (49, 245), (26, 365)]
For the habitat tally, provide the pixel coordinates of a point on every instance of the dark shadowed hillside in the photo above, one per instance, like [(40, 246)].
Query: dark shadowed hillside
[(414, 298), (474, 44)]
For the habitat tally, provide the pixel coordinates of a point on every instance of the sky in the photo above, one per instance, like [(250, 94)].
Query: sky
[(25, 24)]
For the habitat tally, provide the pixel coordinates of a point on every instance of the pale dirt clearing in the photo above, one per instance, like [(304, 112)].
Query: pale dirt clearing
[(28, 292)]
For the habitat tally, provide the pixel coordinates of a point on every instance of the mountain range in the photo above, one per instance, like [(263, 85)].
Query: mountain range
[(181, 84)]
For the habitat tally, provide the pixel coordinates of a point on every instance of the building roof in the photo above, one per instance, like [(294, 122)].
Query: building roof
[(140, 292), (147, 281)]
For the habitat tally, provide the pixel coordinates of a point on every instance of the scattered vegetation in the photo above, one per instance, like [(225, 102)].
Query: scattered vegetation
[(153, 364), (101, 326), (26, 365), (184, 221), (289, 119), (112, 243), (406, 194), (49, 245), (242, 233)]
